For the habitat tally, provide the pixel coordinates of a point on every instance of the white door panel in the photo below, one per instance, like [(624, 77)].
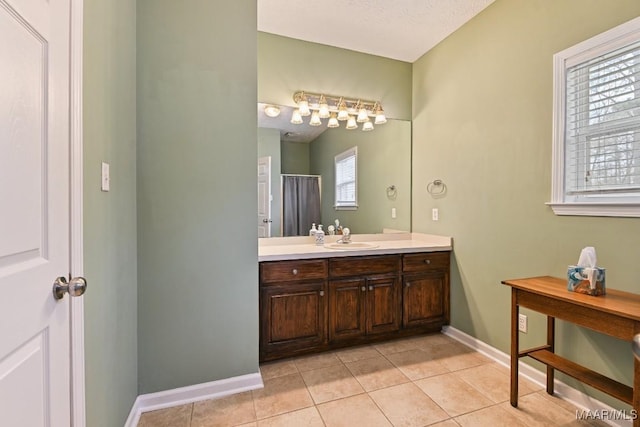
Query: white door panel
[(264, 197), (34, 212)]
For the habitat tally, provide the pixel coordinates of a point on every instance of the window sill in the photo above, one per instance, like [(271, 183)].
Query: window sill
[(629, 210), (346, 208)]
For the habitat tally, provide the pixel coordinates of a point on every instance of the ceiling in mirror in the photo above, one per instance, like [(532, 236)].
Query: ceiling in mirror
[(289, 132)]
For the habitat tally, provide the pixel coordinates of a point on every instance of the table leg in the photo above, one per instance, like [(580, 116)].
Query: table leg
[(636, 392), (514, 347), (551, 334)]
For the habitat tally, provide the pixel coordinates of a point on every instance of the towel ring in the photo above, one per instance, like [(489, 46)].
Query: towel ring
[(436, 187), (392, 191)]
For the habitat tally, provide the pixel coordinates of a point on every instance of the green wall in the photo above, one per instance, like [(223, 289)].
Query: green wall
[(197, 192), (110, 218), (269, 145), (384, 159), (287, 65), (482, 111), (295, 157)]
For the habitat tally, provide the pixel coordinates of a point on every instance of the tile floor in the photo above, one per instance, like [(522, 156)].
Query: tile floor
[(429, 380)]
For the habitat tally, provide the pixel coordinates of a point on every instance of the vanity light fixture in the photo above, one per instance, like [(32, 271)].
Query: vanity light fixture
[(337, 108)]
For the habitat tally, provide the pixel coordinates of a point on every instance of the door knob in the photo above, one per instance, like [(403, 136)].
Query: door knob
[(75, 287)]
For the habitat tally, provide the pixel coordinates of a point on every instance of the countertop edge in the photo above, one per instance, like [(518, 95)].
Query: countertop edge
[(345, 253)]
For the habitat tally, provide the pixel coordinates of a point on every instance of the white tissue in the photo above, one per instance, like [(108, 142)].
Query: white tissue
[(587, 260)]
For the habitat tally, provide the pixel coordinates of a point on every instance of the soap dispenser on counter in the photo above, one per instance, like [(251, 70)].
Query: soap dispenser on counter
[(320, 236), (313, 230)]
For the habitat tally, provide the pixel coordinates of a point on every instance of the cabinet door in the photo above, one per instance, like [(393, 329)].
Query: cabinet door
[(292, 317), (383, 305), (347, 309), (425, 299)]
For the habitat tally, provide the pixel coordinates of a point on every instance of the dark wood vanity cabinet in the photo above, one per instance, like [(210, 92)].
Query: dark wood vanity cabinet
[(309, 306), (368, 302), (425, 289), (293, 308)]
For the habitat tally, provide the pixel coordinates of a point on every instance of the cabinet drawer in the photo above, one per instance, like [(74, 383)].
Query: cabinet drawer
[(282, 271), (425, 261), (358, 266)]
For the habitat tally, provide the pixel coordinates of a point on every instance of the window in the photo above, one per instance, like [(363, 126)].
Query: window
[(347, 179), (596, 147)]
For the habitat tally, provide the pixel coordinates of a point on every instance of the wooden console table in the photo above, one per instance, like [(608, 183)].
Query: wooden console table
[(616, 314)]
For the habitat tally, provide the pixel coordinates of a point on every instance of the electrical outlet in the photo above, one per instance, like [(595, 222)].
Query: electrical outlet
[(522, 323)]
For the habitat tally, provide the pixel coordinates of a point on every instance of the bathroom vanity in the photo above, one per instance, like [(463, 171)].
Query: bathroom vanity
[(315, 298)]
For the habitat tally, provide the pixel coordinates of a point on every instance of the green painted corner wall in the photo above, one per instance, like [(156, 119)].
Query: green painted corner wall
[(295, 157), (384, 159), (482, 122), (269, 145), (197, 192), (109, 121), (288, 65)]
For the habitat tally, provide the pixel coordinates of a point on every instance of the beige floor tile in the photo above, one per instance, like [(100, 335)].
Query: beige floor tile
[(280, 395), (376, 373), (358, 353), (447, 423), (178, 416), (322, 360), (277, 369), (493, 416), (352, 411), (430, 340), (571, 408), (405, 405), (493, 382), (453, 394), (227, 411), (416, 364), (456, 356), (308, 417), (331, 383), (253, 424), (396, 346), (534, 410)]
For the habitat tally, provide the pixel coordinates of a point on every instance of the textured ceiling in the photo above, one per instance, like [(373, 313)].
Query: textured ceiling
[(397, 29)]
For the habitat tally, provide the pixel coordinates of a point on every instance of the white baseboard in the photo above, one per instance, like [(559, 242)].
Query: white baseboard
[(193, 393), (570, 394)]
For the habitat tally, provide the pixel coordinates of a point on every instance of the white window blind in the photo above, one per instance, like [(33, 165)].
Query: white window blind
[(602, 140), (596, 125), (346, 168)]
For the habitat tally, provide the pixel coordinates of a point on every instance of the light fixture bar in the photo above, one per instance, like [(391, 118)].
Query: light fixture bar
[(332, 103)]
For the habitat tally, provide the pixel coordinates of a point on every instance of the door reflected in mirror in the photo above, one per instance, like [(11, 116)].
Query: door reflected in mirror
[(384, 161)]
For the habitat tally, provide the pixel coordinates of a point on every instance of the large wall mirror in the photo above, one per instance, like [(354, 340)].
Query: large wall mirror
[(302, 154)]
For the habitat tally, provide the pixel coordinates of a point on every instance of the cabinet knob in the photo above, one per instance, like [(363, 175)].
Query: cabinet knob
[(370, 288), (321, 293), (295, 271), (364, 288), (427, 261), (408, 284)]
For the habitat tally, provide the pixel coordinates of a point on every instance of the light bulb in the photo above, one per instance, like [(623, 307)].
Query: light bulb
[(315, 119), (343, 114), (333, 121), (324, 108), (363, 115), (380, 117), (351, 123), (296, 117), (303, 106), (367, 126)]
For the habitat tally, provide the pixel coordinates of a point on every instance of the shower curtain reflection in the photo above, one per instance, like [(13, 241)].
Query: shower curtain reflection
[(300, 203)]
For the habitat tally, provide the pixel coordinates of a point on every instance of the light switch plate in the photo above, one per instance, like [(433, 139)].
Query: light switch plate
[(105, 177)]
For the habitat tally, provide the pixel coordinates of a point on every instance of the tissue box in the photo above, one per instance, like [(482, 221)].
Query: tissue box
[(579, 281)]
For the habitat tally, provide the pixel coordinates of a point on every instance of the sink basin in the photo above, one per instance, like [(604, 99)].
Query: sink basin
[(351, 246)]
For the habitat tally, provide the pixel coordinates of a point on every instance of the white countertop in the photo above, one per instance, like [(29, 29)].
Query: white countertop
[(304, 247)]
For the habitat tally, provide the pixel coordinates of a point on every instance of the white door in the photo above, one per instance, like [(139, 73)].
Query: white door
[(34, 212), (264, 197)]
